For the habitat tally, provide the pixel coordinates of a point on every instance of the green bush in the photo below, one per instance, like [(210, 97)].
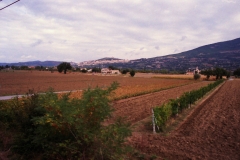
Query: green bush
[(132, 73), (164, 112), (196, 76), (64, 128)]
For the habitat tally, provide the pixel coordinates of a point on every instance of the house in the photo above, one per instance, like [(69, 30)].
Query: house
[(115, 72), (105, 70), (31, 67), (109, 71), (193, 71)]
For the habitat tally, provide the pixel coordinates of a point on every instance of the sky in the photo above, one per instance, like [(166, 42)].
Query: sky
[(77, 31)]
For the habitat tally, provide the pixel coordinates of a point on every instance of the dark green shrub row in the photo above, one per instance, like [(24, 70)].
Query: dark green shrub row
[(172, 108), (64, 128)]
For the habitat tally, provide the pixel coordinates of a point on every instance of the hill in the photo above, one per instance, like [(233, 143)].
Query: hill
[(223, 54), (34, 63)]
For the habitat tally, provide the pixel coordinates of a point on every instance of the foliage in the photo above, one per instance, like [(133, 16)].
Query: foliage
[(84, 71), (97, 70), (64, 128), (64, 66), (218, 72), (237, 72), (125, 71), (164, 112), (132, 73), (196, 76), (112, 68)]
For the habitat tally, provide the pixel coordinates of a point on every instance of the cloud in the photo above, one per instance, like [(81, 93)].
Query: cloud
[(88, 29), (183, 38), (36, 43), (229, 1)]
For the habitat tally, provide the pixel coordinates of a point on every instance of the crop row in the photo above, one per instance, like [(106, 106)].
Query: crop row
[(164, 112)]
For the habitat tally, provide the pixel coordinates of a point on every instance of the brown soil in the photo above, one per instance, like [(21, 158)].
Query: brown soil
[(138, 108), (19, 82), (211, 132)]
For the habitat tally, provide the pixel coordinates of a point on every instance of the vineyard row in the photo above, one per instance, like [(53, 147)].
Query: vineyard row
[(164, 112)]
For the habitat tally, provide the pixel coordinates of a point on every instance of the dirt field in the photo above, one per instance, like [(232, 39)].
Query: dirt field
[(138, 108), (19, 82), (211, 132)]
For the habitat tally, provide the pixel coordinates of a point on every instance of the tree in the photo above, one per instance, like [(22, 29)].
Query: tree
[(112, 68), (218, 72), (125, 71), (236, 73), (132, 73), (84, 71), (196, 76), (64, 66), (97, 70), (208, 73)]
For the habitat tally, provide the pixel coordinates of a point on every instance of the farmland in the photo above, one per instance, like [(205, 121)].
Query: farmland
[(210, 131), (15, 83)]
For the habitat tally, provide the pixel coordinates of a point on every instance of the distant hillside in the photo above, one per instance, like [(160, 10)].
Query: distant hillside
[(34, 63), (223, 54), (103, 62), (108, 59)]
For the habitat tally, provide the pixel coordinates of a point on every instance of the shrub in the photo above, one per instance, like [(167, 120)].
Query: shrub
[(64, 128), (162, 114), (132, 73), (196, 76)]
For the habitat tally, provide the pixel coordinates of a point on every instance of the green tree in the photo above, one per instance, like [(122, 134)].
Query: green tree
[(196, 76), (236, 73), (84, 71), (97, 70), (208, 73), (125, 71), (64, 66), (132, 73), (218, 72), (24, 68), (112, 68)]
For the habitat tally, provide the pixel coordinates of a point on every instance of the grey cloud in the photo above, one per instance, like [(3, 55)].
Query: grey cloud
[(36, 43), (116, 27), (183, 38)]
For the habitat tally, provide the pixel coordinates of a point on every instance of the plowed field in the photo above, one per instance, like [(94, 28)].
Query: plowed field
[(19, 82), (138, 108), (211, 132)]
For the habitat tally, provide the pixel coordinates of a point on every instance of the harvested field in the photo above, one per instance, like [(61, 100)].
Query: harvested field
[(210, 132), (19, 82), (172, 76)]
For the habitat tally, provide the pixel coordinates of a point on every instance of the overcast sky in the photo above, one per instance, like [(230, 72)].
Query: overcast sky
[(70, 30)]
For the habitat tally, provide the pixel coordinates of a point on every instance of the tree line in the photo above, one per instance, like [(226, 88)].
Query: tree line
[(218, 72), (64, 66)]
